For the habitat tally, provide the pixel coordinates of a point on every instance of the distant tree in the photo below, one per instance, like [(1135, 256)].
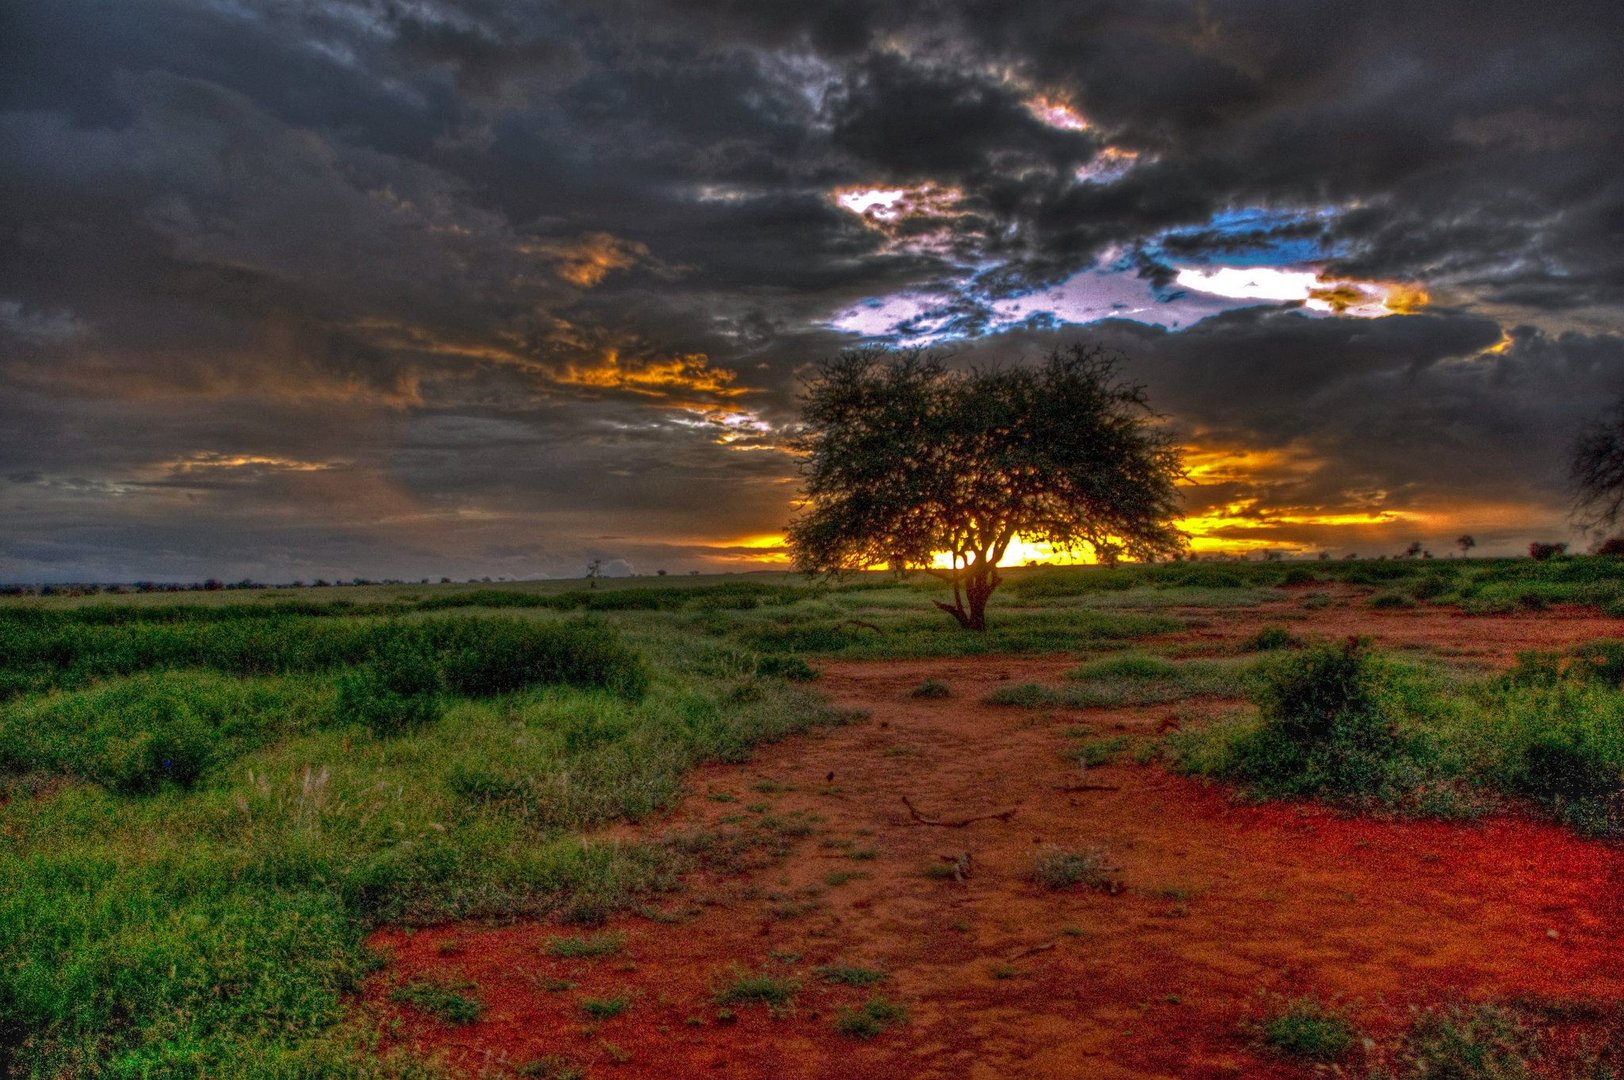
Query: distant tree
[(1596, 471), (1612, 547), (1542, 551), (1413, 550), (907, 460), (1466, 543), (594, 570)]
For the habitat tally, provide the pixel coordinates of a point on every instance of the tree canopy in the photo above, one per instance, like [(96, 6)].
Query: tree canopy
[(906, 459), (1596, 471)]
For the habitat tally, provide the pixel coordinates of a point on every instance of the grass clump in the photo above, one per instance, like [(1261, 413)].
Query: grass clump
[(585, 946), (1060, 870), (551, 1068), (850, 976), (446, 1001), (1095, 752), (1309, 1031), (746, 988), (605, 1008), (871, 1019), (931, 688), (786, 667), (1270, 638), (1460, 1042)]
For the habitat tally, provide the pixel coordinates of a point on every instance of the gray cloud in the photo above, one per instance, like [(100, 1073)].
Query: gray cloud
[(364, 287)]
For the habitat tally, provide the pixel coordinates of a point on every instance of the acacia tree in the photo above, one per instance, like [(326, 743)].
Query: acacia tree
[(905, 460)]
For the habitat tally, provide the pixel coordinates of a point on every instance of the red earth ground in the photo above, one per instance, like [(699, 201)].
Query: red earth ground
[(1228, 909)]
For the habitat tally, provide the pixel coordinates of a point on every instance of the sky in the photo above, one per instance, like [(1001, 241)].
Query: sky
[(401, 288)]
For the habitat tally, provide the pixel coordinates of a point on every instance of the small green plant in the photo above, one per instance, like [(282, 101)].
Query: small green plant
[(605, 1008), (932, 688), (551, 1068), (585, 945), (1309, 1031), (1391, 600), (1101, 751), (1062, 869), (875, 1015), (786, 667), (1469, 1043), (745, 988), (444, 1000), (850, 976), (1270, 638)]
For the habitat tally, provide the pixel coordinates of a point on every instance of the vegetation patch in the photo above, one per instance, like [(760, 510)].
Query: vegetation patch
[(1059, 870), (1309, 1031), (587, 946), (452, 1002), (850, 976), (872, 1018), (747, 988)]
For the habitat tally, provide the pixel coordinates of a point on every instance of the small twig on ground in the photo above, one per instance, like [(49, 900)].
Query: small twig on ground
[(1045, 947), (1089, 787), (957, 823), (862, 625)]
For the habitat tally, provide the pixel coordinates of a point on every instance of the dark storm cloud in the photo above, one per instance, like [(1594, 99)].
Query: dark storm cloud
[(363, 286)]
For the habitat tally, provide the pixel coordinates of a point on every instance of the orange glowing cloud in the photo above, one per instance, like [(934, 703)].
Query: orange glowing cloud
[(686, 374), (587, 259)]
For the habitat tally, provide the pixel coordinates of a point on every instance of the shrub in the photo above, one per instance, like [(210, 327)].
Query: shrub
[(482, 657), (875, 1015), (138, 734), (605, 1008), (1463, 1043), (1061, 869), (851, 976), (1540, 552), (396, 690), (1269, 638), (1129, 666), (786, 667), (1322, 730), (585, 947), (1390, 600), (444, 1000), (932, 688), (1309, 1031), (746, 989), (1612, 547)]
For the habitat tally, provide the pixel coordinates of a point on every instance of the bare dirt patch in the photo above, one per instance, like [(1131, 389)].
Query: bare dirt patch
[(1226, 908)]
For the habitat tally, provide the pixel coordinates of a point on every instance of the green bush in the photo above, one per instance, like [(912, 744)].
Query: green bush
[(1322, 730), (786, 667), (480, 657), (1270, 638), (136, 735), (1469, 1043), (1309, 1031)]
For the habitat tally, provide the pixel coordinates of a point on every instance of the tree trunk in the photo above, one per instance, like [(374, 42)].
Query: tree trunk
[(983, 580)]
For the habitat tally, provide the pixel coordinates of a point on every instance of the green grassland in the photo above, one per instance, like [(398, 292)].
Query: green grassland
[(207, 800)]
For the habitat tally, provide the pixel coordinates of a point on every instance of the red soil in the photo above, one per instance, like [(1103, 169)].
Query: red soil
[(1227, 907)]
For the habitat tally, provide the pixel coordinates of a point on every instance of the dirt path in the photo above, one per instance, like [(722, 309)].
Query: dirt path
[(1226, 907)]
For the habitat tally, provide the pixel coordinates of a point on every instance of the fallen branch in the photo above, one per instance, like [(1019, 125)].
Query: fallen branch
[(1089, 787), (861, 625), (1045, 947), (959, 823)]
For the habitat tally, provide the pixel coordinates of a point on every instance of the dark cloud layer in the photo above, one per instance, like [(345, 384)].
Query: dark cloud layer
[(458, 286)]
